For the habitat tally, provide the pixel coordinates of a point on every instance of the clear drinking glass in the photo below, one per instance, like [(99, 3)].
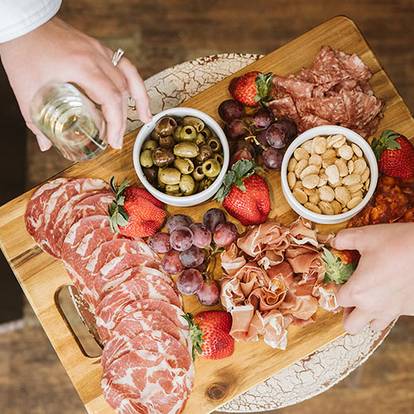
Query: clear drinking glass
[(70, 120)]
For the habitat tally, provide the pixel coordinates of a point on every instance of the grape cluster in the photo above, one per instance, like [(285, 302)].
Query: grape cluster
[(258, 135), (187, 248)]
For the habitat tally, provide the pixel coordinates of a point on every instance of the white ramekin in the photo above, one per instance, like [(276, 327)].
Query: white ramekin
[(185, 201), (352, 137)]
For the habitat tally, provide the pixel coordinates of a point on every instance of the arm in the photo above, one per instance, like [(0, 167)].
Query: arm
[(57, 52), (382, 287)]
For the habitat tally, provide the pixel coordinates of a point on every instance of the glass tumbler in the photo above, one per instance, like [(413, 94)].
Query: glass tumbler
[(70, 120)]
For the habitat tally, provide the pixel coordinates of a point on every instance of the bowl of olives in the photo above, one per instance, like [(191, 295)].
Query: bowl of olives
[(181, 156)]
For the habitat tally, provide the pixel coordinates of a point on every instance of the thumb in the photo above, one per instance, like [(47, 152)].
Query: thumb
[(43, 142)]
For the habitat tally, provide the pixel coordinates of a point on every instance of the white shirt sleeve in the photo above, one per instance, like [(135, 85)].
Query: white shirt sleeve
[(18, 17)]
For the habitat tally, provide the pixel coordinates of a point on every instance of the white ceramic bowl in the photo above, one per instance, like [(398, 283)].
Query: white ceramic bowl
[(352, 137), (185, 201)]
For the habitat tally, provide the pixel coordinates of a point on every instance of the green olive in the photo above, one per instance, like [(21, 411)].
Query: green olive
[(184, 165), (177, 132), (186, 150), (197, 123), (211, 168), (167, 141), (214, 144), (219, 158), (187, 185), (169, 176), (146, 158), (154, 135), (165, 126), (162, 157), (172, 188), (151, 174), (205, 183), (188, 133), (200, 139), (198, 174), (206, 132), (205, 154), (149, 144)]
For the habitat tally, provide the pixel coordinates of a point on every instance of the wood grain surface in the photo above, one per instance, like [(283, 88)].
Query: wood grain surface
[(216, 382)]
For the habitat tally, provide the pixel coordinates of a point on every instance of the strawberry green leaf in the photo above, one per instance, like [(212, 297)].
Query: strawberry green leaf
[(387, 141), (196, 334), (335, 270), (263, 85)]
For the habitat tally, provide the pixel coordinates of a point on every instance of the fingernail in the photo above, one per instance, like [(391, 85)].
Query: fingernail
[(149, 115), (116, 142), (43, 144)]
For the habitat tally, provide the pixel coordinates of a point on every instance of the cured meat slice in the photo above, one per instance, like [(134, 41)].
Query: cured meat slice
[(295, 87), (153, 341), (158, 387), (116, 248), (120, 301), (285, 107), (123, 401), (34, 215), (57, 200), (76, 208)]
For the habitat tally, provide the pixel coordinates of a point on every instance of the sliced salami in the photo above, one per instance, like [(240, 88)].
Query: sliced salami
[(34, 215), (57, 200)]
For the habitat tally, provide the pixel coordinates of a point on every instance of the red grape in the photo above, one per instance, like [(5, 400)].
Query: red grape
[(290, 128), (209, 293), (262, 118), (213, 217), (192, 257), (181, 238), (189, 282), (178, 220), (276, 136), (241, 154), (171, 263), (201, 235), (160, 242), (225, 234), (230, 109), (272, 158), (235, 129)]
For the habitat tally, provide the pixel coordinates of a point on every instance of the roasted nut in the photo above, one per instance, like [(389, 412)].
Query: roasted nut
[(357, 150), (310, 181), (357, 194), (169, 176), (300, 195), (359, 166), (298, 185), (351, 166), (328, 161), (307, 146), (326, 193), (314, 197), (326, 208), (367, 183), (333, 174), (351, 179), (315, 159), (337, 207), (184, 165), (365, 175), (353, 202), (345, 152), (186, 150), (319, 145), (292, 164), (301, 154), (344, 210), (354, 188), (342, 195), (343, 169), (310, 169), (329, 153), (335, 141), (300, 166), (145, 158), (291, 178), (313, 207)]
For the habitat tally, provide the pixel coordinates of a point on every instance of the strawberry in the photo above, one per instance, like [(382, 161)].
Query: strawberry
[(251, 88), (135, 212), (210, 334), (395, 154), (339, 264), (244, 194)]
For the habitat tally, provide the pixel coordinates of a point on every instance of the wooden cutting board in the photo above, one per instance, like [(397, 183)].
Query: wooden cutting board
[(216, 382)]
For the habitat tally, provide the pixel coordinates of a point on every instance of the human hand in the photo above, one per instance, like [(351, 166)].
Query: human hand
[(56, 52), (382, 287)]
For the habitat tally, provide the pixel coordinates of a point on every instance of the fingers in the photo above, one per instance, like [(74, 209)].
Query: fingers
[(137, 88), (351, 239), (104, 92), (356, 321), (43, 142), (381, 323)]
